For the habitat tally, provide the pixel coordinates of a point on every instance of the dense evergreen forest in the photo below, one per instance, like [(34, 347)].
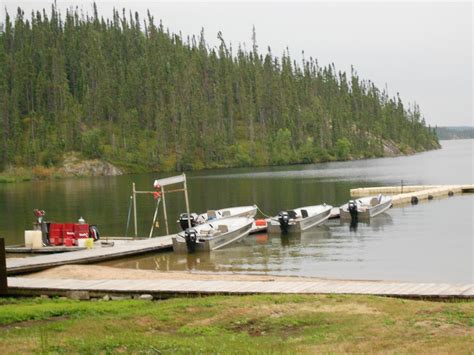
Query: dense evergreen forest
[(463, 132), (130, 92)]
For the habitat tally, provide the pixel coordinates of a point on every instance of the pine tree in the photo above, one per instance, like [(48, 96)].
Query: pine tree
[(127, 90)]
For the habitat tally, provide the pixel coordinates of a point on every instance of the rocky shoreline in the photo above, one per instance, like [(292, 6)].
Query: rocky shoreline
[(74, 165)]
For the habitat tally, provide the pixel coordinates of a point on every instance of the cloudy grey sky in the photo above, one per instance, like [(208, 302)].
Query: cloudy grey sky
[(423, 50)]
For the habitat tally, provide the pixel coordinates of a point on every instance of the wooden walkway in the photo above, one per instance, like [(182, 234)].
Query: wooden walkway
[(119, 250), (42, 250), (172, 288), (403, 194)]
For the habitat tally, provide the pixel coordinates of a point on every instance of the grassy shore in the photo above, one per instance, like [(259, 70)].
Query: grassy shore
[(225, 324)]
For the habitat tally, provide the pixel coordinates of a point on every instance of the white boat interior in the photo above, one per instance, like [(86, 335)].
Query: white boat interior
[(194, 220), (249, 211), (308, 211)]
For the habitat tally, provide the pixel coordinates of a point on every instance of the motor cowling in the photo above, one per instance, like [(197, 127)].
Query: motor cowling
[(284, 219), (183, 220), (352, 207), (94, 232), (190, 235)]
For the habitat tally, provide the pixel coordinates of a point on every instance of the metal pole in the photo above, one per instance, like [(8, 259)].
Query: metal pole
[(154, 218), (164, 209), (129, 214), (187, 200), (135, 209)]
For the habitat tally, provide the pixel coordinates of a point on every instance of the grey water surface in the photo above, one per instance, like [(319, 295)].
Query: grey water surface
[(429, 242)]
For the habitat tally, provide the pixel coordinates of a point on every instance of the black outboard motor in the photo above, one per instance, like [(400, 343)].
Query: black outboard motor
[(352, 207), (190, 235), (183, 220), (284, 219)]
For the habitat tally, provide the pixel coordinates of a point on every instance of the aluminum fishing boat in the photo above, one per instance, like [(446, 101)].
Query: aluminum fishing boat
[(195, 219), (299, 219), (365, 208), (212, 235)]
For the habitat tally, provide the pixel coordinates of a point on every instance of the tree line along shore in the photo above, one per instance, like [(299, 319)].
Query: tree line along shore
[(126, 91)]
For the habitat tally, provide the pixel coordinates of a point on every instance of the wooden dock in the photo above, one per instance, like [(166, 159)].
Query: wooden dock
[(180, 288), (404, 194), (17, 249), (119, 250)]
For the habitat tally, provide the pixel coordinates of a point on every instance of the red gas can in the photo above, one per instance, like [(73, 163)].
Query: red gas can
[(81, 232), (68, 234), (56, 233)]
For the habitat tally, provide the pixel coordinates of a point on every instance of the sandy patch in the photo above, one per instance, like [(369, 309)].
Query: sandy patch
[(97, 272)]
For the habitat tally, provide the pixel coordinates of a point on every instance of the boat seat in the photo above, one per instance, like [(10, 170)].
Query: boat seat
[(205, 232), (222, 228), (304, 213), (226, 214), (214, 233), (374, 201), (292, 214)]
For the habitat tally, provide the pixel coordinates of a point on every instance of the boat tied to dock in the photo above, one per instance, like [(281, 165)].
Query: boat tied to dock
[(212, 215), (212, 235), (365, 208), (299, 219)]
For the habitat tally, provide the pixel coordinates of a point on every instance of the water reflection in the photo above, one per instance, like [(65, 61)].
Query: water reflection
[(376, 223)]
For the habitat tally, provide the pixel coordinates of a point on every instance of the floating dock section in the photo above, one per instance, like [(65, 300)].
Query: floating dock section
[(405, 194), (36, 263)]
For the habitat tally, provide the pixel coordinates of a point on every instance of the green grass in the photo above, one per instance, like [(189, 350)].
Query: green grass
[(225, 324)]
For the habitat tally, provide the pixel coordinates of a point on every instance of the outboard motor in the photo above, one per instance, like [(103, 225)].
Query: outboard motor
[(352, 207), (183, 220), (94, 232), (284, 219), (190, 235)]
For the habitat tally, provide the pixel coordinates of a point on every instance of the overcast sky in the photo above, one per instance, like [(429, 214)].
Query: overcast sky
[(423, 50)]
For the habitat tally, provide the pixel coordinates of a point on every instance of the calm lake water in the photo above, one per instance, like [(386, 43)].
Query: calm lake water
[(432, 241)]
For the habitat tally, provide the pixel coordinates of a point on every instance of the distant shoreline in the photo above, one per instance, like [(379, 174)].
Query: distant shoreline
[(76, 167)]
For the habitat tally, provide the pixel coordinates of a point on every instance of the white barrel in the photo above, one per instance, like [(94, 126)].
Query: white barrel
[(33, 239)]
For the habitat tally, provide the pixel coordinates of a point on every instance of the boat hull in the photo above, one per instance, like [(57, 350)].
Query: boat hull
[(300, 225), (213, 243)]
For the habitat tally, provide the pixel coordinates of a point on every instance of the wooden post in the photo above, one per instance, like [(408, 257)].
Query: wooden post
[(135, 209), (3, 269), (187, 200), (164, 209)]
